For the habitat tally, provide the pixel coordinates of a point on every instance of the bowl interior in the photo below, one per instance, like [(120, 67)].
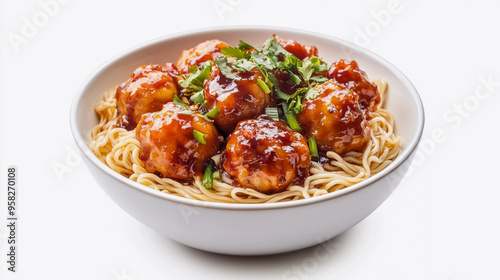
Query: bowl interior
[(402, 99)]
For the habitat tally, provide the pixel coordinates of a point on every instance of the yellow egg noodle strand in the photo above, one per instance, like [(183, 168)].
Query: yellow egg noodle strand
[(119, 149)]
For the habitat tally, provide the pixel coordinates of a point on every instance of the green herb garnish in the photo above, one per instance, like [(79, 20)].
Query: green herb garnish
[(273, 113), (313, 147), (193, 82), (208, 175), (214, 112), (225, 69), (180, 103), (200, 137), (263, 86), (290, 118)]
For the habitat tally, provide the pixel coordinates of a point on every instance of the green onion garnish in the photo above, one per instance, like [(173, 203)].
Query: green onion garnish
[(273, 113), (204, 117), (263, 85), (290, 118), (208, 177), (200, 137), (214, 112), (313, 147), (217, 176)]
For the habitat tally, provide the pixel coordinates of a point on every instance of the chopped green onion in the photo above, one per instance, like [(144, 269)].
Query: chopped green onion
[(313, 147), (193, 69), (214, 112), (292, 122), (263, 85), (273, 113), (186, 112), (200, 137), (208, 177), (204, 117), (290, 118), (216, 176)]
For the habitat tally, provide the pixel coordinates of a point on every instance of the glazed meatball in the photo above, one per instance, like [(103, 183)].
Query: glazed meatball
[(206, 51), (300, 51), (236, 100), (348, 74), (147, 90), (168, 145), (266, 155), (335, 119)]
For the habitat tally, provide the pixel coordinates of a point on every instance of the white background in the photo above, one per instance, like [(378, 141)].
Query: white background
[(442, 223)]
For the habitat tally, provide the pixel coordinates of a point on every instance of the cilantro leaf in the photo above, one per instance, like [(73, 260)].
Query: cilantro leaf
[(243, 65), (313, 65), (311, 93), (272, 47), (262, 60), (225, 69), (319, 79), (244, 46), (306, 70), (233, 52), (180, 103), (194, 80), (198, 97), (296, 79)]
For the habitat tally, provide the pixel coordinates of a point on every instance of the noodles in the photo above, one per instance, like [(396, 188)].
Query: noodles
[(118, 149)]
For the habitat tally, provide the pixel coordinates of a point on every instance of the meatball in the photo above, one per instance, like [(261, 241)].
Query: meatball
[(236, 100), (147, 89), (335, 119), (205, 51), (348, 74), (300, 51), (168, 145), (266, 155)]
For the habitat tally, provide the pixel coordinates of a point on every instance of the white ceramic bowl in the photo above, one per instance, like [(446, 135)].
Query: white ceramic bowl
[(244, 229)]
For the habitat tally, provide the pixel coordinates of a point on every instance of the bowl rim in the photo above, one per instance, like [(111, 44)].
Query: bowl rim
[(402, 157)]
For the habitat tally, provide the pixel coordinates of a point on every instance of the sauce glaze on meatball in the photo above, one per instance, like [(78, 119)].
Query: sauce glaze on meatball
[(168, 145), (147, 90), (300, 51), (205, 51), (335, 119), (236, 100), (347, 73), (266, 155)]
